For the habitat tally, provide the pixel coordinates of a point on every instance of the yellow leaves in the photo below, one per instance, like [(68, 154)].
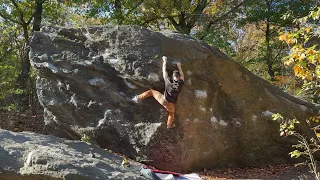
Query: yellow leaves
[(215, 8), (311, 51), (315, 119), (283, 79), (26, 4), (290, 41), (308, 29), (289, 62), (308, 75), (303, 62), (302, 57), (302, 72), (283, 37), (288, 38), (317, 72), (297, 69), (296, 56)]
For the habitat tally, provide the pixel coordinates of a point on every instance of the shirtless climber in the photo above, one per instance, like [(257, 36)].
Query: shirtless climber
[(171, 92)]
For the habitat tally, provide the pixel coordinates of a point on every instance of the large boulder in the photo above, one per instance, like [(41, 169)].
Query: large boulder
[(87, 77), (33, 156)]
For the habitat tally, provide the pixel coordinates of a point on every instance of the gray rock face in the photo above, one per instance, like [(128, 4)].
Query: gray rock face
[(29, 155), (223, 115)]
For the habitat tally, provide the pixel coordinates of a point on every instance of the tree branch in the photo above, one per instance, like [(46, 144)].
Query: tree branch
[(135, 7), (197, 12), (30, 19), (213, 21), (9, 18), (174, 22), (182, 19), (278, 54), (156, 18), (20, 12)]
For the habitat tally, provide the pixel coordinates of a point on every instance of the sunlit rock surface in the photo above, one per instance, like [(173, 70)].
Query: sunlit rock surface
[(34, 156)]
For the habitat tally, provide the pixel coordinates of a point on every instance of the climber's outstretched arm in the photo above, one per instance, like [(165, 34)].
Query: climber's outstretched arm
[(180, 71), (164, 67)]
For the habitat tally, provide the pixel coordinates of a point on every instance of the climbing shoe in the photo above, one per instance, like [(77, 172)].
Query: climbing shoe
[(171, 126), (135, 99)]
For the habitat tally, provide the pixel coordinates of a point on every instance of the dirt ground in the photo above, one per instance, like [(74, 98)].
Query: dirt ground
[(34, 122), (19, 122), (283, 172)]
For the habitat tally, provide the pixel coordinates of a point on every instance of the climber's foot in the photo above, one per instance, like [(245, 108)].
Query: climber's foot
[(171, 126), (135, 99)]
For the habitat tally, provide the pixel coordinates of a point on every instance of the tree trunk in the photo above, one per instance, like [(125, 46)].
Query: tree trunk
[(37, 15), (118, 11), (269, 50), (186, 21), (25, 62), (181, 26)]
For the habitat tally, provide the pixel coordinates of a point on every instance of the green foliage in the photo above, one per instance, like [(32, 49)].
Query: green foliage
[(221, 38), (113, 12), (269, 13), (14, 12), (15, 30), (55, 13), (9, 53), (295, 154), (274, 9), (286, 126), (86, 138), (277, 116), (11, 107), (181, 15), (307, 145)]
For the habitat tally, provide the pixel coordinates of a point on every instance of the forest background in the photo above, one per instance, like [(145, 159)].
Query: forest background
[(274, 39)]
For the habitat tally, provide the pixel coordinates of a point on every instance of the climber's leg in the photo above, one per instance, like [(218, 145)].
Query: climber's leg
[(170, 107), (156, 94)]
